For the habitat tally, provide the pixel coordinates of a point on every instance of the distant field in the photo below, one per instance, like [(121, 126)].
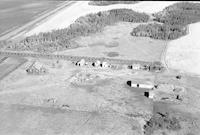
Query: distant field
[(16, 13)]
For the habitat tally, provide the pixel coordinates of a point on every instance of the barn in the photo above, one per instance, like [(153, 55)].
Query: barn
[(36, 68)]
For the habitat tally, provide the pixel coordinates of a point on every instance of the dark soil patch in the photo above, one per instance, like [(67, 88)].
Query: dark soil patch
[(112, 44), (97, 44), (112, 54)]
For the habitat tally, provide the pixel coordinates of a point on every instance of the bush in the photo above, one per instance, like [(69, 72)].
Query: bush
[(161, 121), (159, 31)]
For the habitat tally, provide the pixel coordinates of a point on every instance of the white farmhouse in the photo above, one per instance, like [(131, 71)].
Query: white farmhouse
[(136, 66), (81, 62), (105, 64), (97, 63)]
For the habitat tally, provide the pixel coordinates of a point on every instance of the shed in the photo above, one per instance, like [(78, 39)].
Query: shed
[(97, 63), (178, 77), (136, 66), (105, 64), (149, 94), (81, 62), (140, 85), (36, 68)]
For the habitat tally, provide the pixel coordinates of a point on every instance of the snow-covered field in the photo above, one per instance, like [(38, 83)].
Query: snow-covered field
[(184, 53), (67, 16)]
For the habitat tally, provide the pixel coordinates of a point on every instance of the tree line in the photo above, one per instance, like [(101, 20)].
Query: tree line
[(179, 14), (173, 19), (159, 31), (62, 38)]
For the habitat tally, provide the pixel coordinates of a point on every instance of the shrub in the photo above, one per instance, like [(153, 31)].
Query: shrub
[(159, 31), (161, 121)]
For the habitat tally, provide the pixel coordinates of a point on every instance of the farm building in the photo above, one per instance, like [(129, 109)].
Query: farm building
[(178, 77), (156, 66), (149, 94), (97, 63), (136, 66), (145, 67), (105, 64), (81, 62), (36, 68), (139, 85)]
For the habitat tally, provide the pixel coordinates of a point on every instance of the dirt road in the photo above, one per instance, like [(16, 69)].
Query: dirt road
[(72, 58)]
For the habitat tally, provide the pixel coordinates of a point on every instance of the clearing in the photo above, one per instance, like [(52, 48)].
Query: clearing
[(116, 42), (78, 100)]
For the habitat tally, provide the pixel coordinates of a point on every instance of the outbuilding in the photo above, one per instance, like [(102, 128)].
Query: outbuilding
[(149, 94), (81, 62), (140, 85), (36, 68), (136, 66), (105, 64), (97, 63)]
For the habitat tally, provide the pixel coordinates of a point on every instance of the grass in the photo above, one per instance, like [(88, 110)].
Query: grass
[(117, 39)]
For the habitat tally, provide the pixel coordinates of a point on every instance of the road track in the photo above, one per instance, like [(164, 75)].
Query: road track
[(73, 58)]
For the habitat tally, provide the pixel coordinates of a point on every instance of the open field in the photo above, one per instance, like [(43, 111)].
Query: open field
[(66, 17), (15, 14), (184, 53), (88, 101), (103, 105), (30, 120), (8, 65), (116, 42), (59, 83)]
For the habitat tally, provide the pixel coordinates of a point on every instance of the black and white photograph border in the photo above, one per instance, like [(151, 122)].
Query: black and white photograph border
[(99, 67)]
